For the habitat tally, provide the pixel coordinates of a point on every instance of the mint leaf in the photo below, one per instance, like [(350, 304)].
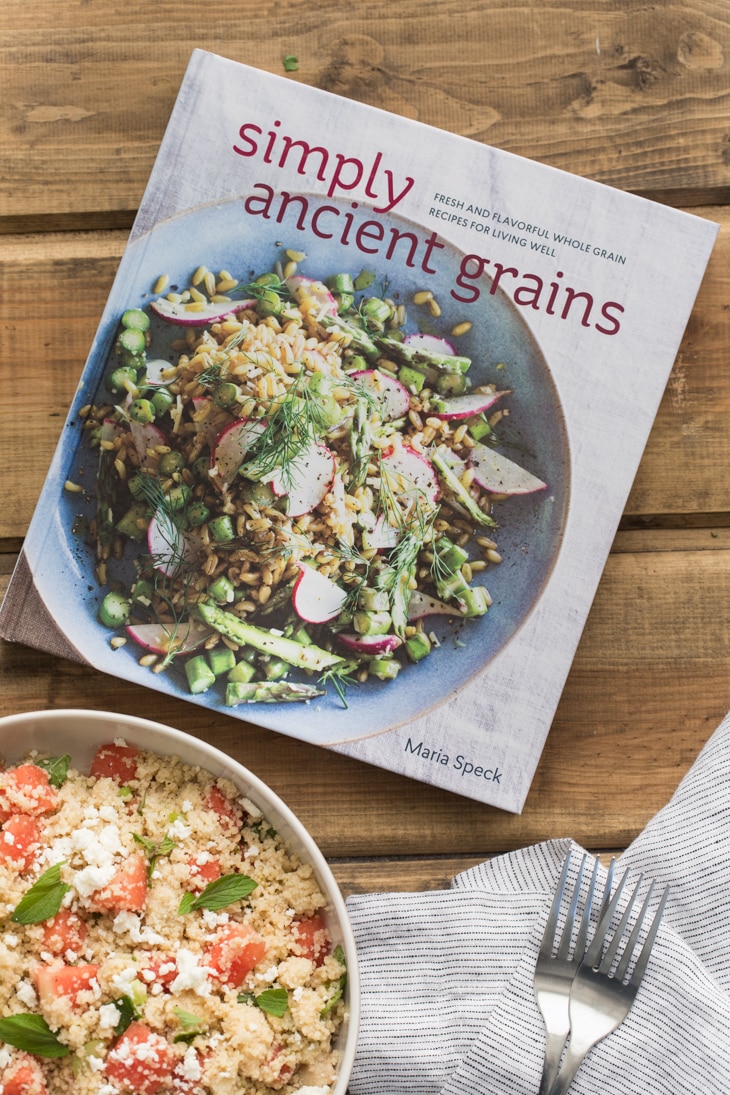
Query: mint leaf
[(291, 64), (272, 1001), (192, 1026), (220, 893), (339, 984), (56, 767), (127, 1014), (43, 899), (32, 1034), (154, 850)]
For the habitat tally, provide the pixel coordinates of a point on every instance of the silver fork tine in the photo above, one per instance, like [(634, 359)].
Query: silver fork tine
[(593, 954), (564, 948), (645, 951), (612, 949)]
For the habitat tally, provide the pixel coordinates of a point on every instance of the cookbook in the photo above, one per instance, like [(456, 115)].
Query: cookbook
[(356, 430)]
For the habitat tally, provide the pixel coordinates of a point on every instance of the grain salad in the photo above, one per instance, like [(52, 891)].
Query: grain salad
[(159, 937), (294, 481)]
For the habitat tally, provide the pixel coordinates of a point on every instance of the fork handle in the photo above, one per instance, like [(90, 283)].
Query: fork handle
[(575, 1054), (553, 1053)]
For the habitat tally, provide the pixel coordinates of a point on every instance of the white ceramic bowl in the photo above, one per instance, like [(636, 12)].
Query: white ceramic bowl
[(80, 733)]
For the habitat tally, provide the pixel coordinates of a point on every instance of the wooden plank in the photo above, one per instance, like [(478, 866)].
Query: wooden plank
[(52, 292), (650, 681), (600, 89)]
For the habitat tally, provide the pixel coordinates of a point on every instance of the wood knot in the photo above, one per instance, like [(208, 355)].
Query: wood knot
[(355, 66), (698, 50)]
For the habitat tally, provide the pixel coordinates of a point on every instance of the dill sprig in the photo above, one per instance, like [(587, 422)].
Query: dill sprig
[(292, 425)]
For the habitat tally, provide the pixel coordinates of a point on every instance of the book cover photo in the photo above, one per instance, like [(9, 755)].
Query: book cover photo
[(356, 430)]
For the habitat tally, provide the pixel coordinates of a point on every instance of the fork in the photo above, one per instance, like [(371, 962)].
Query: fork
[(554, 974), (600, 998)]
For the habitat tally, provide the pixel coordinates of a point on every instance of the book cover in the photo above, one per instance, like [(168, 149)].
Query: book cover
[(356, 430)]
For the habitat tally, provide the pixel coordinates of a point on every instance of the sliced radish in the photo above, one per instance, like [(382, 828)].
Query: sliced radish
[(432, 344), (147, 437), (161, 639), (410, 473), (496, 473), (230, 448), (169, 546), (181, 313), (315, 597), (303, 289), (307, 481), (155, 372), (110, 430), (369, 644), (381, 536), (422, 604), (393, 398), (466, 406)]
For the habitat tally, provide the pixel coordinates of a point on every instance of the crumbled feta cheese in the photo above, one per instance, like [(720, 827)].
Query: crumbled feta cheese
[(179, 830), (10, 939), (26, 994), (190, 974), (96, 1064), (251, 852), (131, 923), (123, 981), (189, 1068), (90, 879), (5, 1057), (109, 1016), (214, 919)]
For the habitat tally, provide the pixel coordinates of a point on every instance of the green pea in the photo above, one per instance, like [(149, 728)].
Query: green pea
[(136, 319), (170, 462), (198, 513), (221, 529), (226, 395), (142, 410), (114, 610), (123, 379), (162, 401), (132, 340)]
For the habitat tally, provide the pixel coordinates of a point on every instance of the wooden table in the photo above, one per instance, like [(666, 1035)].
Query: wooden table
[(633, 95)]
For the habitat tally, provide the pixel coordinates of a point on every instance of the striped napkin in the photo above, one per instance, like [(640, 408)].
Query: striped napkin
[(447, 1001)]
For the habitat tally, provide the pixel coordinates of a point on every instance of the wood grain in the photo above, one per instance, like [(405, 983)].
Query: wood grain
[(629, 94), (62, 280), (650, 681), (632, 94)]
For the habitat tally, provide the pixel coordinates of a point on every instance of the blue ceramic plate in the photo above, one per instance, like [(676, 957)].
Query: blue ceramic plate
[(224, 236)]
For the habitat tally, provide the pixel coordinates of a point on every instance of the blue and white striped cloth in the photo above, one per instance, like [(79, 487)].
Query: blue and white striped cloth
[(447, 1000)]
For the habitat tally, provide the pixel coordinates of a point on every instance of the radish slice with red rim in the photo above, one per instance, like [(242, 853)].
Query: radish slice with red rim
[(158, 638), (155, 372), (369, 644), (184, 316), (432, 344), (307, 481), (171, 548), (315, 597), (303, 288), (465, 406), (410, 473), (392, 397), (422, 604), (230, 448), (494, 472)]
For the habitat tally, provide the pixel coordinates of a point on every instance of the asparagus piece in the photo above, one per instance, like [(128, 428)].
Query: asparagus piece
[(441, 459), (269, 692), (244, 634)]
